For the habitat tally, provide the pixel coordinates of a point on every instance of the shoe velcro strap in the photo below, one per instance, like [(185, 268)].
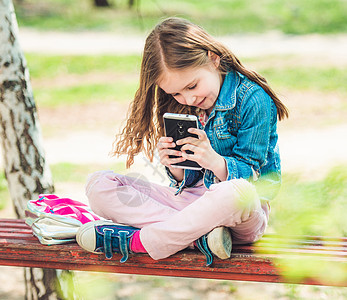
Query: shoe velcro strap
[(108, 242), (123, 245)]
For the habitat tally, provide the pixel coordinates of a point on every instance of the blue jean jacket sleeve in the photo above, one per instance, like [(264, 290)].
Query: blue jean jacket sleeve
[(173, 181), (190, 178), (253, 137)]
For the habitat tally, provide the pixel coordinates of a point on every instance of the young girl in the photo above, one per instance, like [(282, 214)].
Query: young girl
[(185, 70)]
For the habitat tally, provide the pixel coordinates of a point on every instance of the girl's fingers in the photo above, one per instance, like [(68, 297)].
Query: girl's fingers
[(166, 161), (166, 139), (188, 140), (165, 144), (193, 156), (173, 152), (179, 159), (190, 147), (192, 140), (200, 133)]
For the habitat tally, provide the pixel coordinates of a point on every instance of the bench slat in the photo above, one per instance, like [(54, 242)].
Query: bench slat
[(259, 262)]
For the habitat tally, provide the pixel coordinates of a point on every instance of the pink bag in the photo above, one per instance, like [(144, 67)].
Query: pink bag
[(56, 220)]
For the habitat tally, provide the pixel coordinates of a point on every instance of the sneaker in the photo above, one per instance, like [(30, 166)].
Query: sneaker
[(217, 242), (106, 237), (220, 243)]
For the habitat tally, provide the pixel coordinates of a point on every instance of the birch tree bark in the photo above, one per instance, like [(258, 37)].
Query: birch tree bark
[(26, 169)]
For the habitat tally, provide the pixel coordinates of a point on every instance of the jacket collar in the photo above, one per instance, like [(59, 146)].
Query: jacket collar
[(227, 95)]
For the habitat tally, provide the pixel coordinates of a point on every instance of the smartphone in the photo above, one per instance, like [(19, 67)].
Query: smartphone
[(176, 126)]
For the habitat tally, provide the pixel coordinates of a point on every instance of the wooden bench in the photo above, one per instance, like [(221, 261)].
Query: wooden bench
[(260, 262)]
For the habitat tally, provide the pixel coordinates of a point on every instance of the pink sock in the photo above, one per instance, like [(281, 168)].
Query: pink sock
[(136, 245)]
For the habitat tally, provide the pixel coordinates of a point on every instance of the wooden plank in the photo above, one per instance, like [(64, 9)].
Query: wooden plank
[(259, 262)]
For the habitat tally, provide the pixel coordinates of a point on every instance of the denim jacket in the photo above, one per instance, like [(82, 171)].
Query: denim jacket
[(242, 128)]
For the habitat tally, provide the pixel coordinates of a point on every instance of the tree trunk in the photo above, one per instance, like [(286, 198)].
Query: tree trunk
[(25, 166), (131, 3), (26, 170), (101, 3)]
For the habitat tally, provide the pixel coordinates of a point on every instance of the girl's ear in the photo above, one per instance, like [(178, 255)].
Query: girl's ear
[(214, 58)]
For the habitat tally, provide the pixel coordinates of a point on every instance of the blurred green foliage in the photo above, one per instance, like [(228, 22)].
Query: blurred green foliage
[(219, 17), (312, 208), (316, 208)]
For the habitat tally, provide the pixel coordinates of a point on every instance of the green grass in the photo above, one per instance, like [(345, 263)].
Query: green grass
[(218, 17), (85, 94), (50, 66), (69, 172), (119, 78), (324, 79), (115, 78)]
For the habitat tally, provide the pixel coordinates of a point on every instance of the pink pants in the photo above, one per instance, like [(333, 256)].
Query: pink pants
[(171, 223)]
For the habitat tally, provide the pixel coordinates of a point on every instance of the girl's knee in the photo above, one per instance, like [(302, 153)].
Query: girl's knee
[(237, 199), (96, 181), (246, 193), (251, 230), (238, 191)]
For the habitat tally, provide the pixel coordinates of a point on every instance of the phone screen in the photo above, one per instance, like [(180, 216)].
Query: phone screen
[(177, 126)]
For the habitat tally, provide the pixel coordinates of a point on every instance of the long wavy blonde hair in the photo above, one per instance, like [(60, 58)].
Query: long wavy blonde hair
[(173, 44)]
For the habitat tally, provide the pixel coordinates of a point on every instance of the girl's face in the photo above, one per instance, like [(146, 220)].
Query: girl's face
[(197, 87)]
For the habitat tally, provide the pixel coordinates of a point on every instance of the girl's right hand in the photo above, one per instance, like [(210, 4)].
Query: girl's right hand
[(164, 147)]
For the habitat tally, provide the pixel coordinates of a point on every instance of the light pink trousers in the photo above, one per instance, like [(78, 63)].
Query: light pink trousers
[(171, 223)]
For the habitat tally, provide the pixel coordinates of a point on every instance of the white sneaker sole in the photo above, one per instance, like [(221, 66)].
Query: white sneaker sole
[(85, 236), (220, 243)]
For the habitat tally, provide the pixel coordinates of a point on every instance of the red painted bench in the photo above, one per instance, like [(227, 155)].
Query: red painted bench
[(262, 262)]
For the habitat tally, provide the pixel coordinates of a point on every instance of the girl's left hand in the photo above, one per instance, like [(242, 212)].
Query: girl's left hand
[(204, 154)]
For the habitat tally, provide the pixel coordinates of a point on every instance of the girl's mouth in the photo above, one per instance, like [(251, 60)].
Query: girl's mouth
[(199, 104)]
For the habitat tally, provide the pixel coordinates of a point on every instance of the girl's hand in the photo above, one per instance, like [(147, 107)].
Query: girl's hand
[(204, 154), (164, 145)]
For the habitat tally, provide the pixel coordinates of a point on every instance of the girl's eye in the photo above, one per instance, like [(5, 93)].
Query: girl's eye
[(192, 87)]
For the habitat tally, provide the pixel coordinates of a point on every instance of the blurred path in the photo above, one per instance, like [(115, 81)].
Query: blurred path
[(310, 152)]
